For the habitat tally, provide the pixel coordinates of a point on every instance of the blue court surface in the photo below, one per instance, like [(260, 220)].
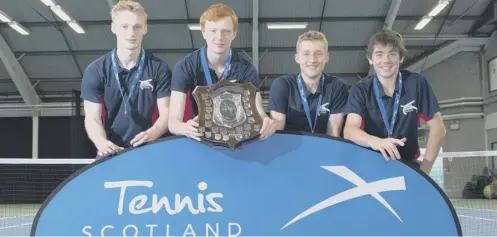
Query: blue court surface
[(474, 222)]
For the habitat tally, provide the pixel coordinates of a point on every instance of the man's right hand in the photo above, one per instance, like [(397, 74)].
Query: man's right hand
[(388, 147), (106, 148), (190, 129)]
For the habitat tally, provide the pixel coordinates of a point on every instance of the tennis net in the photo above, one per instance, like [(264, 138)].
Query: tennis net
[(469, 179)]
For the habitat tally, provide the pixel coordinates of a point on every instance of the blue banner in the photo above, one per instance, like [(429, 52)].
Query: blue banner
[(287, 185)]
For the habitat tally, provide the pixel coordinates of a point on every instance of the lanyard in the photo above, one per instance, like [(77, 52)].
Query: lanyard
[(205, 66), (134, 82), (382, 106), (303, 97)]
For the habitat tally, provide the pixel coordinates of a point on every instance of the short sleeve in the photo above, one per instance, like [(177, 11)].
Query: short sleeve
[(163, 86), (427, 102), (278, 96), (182, 76), (339, 97), (92, 85), (356, 102), (249, 75)]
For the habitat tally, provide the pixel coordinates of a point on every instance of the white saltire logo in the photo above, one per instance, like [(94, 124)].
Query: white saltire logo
[(323, 108), (146, 84), (363, 188), (408, 107)]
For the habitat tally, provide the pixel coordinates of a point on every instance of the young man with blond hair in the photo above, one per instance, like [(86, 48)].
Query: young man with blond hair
[(384, 108), (126, 91), (309, 101), (219, 26)]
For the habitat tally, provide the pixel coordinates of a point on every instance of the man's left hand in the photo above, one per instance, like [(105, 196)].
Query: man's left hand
[(141, 138), (268, 128)]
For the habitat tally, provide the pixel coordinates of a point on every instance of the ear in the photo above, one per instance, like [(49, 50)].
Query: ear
[(113, 27), (203, 34), (369, 60), (145, 29), (402, 60), (296, 57), (327, 57)]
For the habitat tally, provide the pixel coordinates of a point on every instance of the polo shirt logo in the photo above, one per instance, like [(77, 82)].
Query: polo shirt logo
[(362, 188), (323, 109), (146, 84), (408, 107)]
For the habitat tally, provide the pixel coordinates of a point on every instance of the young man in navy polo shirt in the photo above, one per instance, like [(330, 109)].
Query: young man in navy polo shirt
[(384, 109), (128, 87), (219, 25), (309, 101)]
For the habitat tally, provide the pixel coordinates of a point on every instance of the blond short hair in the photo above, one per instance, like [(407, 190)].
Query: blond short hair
[(128, 5), (312, 35), (216, 12)]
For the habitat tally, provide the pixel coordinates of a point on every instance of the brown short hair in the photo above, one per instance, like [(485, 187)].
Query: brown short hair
[(386, 37), (216, 12), (312, 35), (128, 5)]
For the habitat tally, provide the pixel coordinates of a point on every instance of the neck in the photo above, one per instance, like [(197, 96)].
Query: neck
[(128, 58), (388, 84), (311, 83), (216, 61)]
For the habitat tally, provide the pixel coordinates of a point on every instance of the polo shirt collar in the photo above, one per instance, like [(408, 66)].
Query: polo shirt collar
[(318, 91), (396, 91), (234, 58)]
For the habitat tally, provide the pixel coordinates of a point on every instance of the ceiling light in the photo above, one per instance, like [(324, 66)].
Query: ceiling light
[(439, 7), (60, 12), (76, 27), (4, 17), (48, 2), (422, 23), (289, 25), (194, 26), (19, 28)]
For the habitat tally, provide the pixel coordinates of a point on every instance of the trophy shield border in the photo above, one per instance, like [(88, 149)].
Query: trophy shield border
[(225, 136)]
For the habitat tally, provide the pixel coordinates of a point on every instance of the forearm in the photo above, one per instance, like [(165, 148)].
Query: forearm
[(435, 138), (159, 128), (260, 106), (334, 125), (359, 136), (95, 130)]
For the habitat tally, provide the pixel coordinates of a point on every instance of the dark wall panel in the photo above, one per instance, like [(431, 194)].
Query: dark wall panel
[(15, 137)]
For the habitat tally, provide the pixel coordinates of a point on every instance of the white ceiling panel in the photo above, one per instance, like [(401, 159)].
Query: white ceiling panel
[(41, 38), (49, 66), (290, 8), (242, 8), (341, 8), (281, 38)]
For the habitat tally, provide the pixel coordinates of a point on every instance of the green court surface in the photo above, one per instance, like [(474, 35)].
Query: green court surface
[(16, 210)]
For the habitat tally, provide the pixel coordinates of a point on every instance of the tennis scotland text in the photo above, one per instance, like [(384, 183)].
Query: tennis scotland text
[(147, 203)]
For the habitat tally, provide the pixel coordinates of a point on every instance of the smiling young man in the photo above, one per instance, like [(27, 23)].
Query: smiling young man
[(219, 25), (309, 101), (384, 109), (124, 89)]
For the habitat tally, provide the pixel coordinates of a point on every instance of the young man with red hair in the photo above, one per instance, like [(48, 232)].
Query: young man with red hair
[(219, 26)]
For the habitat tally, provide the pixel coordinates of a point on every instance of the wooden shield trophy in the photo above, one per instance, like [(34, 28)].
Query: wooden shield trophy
[(227, 113)]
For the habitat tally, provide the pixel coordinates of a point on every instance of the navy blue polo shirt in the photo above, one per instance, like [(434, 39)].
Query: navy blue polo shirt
[(188, 74), (99, 85), (285, 98), (417, 101)]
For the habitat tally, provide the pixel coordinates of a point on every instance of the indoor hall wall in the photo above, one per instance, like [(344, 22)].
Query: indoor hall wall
[(456, 77)]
